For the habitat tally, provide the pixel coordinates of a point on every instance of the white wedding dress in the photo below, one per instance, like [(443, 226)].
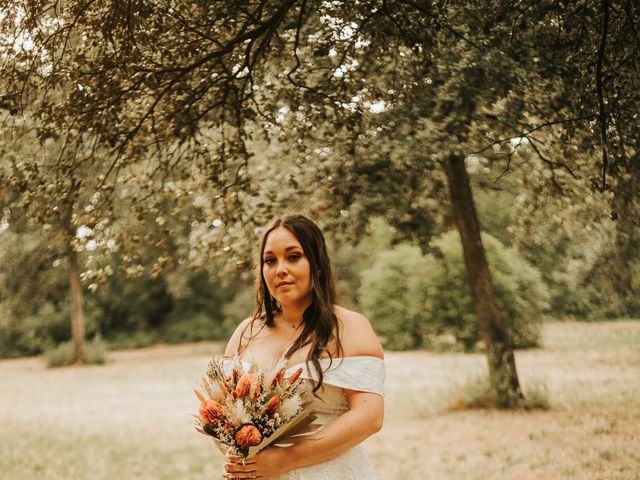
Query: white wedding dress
[(365, 374)]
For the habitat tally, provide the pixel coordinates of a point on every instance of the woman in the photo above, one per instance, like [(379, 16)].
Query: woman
[(297, 317)]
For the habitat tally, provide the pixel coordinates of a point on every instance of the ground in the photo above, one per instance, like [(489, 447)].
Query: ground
[(130, 419)]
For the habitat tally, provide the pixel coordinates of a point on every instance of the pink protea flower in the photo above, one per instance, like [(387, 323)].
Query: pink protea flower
[(248, 386), (211, 412), (248, 436)]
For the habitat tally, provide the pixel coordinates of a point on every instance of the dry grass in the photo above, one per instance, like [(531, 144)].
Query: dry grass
[(130, 418)]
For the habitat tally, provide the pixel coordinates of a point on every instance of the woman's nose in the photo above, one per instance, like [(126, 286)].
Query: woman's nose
[(282, 269)]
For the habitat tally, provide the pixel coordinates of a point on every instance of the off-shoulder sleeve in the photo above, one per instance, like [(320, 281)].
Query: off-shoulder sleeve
[(364, 374)]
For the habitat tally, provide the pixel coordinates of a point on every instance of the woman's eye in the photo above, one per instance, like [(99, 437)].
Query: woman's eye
[(269, 261), (294, 257)]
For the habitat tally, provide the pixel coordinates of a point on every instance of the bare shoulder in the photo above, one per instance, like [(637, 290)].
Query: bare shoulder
[(357, 335), (242, 332)]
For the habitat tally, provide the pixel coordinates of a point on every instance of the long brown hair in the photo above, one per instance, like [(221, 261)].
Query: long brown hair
[(320, 324)]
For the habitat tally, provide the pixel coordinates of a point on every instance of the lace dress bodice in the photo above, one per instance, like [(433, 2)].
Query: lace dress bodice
[(365, 374)]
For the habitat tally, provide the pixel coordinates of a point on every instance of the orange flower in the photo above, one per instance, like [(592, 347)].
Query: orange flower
[(248, 436), (211, 412), (271, 405), (248, 386), (278, 378), (295, 376)]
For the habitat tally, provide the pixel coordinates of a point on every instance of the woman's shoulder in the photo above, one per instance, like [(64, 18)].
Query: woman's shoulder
[(246, 329), (357, 336)]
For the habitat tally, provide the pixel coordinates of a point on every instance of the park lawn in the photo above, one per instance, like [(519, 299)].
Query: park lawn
[(130, 419)]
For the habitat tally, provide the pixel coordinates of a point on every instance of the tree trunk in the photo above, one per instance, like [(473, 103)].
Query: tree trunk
[(503, 376), (77, 316)]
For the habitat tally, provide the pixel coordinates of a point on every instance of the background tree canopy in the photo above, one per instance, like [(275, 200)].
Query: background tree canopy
[(143, 147)]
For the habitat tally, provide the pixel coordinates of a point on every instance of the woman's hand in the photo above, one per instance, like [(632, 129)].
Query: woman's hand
[(270, 461)]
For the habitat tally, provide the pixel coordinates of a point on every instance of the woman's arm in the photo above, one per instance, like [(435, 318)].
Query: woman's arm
[(363, 418)]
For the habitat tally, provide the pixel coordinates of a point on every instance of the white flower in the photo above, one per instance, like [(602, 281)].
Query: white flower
[(237, 412), (290, 406), (214, 390)]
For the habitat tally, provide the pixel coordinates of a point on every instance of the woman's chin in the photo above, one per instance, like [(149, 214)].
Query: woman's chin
[(291, 299)]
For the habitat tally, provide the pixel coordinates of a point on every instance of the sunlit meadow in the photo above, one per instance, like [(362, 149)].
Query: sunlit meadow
[(130, 419)]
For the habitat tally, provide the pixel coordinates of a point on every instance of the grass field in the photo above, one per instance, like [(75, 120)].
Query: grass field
[(130, 418)]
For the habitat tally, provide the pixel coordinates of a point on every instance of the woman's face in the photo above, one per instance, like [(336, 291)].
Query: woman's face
[(286, 268)]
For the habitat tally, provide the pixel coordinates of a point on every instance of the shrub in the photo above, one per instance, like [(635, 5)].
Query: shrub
[(240, 307), (198, 312), (521, 295), (136, 339), (196, 327), (40, 331), (417, 300), (125, 305), (95, 353), (393, 296)]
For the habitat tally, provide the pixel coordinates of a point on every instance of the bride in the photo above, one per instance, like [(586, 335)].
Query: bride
[(341, 355)]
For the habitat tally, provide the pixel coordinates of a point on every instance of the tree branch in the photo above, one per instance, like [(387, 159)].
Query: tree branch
[(265, 27), (528, 132)]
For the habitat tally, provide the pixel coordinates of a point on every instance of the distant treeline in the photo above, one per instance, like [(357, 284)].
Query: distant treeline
[(415, 298)]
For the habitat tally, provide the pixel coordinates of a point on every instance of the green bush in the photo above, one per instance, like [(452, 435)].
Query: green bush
[(48, 326), (136, 339), (198, 313), (196, 327), (393, 295), (240, 307), (417, 300), (95, 353), (349, 259), (521, 295), (125, 305)]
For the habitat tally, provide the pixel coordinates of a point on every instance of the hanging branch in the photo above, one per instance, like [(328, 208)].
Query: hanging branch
[(602, 114), (526, 133)]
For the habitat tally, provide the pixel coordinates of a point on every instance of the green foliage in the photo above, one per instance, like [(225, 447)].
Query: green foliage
[(130, 304), (417, 300), (127, 311), (521, 295), (95, 353), (583, 255), (135, 339), (198, 311), (83, 143), (196, 327), (495, 198), (393, 296), (34, 310), (350, 258), (240, 307), (38, 332)]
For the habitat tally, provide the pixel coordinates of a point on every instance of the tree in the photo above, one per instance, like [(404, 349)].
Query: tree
[(467, 78), (48, 186)]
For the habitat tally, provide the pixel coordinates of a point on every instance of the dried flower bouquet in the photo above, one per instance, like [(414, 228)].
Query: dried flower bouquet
[(249, 410)]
